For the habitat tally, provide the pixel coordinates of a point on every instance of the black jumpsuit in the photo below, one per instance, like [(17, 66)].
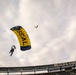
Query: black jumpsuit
[(11, 51)]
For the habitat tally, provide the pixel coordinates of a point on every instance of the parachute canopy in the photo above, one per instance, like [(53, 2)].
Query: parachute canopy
[(23, 37)]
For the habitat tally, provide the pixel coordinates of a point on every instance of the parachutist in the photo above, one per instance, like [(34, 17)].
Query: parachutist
[(36, 26), (12, 50)]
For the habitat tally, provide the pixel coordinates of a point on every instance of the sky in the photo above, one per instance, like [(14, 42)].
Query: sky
[(54, 41)]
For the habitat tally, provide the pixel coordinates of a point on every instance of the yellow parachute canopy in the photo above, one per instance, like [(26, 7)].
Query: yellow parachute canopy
[(23, 37)]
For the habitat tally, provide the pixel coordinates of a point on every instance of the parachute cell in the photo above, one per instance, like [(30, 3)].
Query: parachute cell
[(23, 37)]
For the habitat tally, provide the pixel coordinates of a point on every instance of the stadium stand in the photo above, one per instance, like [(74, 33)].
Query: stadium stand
[(66, 68)]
